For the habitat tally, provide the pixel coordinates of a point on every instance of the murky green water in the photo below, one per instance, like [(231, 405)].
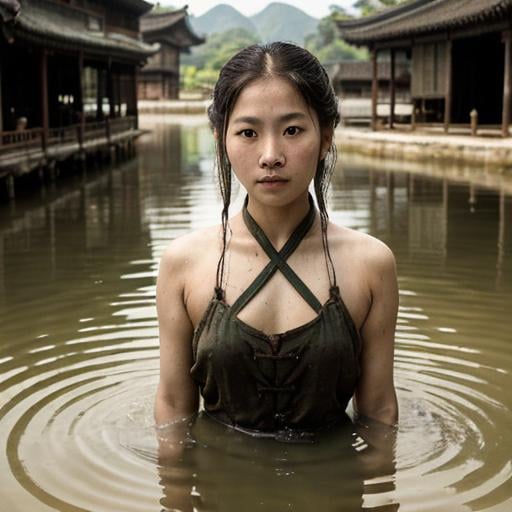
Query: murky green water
[(79, 348)]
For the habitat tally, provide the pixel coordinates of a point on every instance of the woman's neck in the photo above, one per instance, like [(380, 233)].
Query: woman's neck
[(279, 222)]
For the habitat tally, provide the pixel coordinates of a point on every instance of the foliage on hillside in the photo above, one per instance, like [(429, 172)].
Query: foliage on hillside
[(201, 67), (326, 43), (200, 70), (367, 7)]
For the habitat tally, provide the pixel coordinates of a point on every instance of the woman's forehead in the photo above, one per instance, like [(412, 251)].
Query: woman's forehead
[(273, 96)]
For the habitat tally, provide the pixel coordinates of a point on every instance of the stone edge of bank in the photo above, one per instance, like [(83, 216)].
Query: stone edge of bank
[(494, 154)]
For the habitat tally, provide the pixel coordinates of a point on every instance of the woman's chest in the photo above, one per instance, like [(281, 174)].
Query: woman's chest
[(275, 304)]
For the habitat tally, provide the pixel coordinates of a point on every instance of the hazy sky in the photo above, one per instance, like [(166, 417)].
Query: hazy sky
[(315, 8)]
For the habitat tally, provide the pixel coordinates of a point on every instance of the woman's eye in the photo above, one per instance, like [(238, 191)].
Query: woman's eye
[(292, 130), (248, 133)]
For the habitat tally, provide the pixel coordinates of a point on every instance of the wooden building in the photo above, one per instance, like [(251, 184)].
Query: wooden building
[(460, 53), (352, 82), (353, 79), (160, 78), (68, 71)]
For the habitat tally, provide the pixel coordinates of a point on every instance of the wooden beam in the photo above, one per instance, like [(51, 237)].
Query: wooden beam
[(375, 89), (392, 90), (45, 121), (505, 118), (448, 86)]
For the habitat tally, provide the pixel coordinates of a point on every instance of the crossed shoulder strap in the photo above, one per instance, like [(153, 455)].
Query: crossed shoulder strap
[(278, 260)]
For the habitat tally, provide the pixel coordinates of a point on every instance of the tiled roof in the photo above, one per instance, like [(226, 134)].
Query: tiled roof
[(48, 28), (154, 21), (137, 6), (422, 17), (165, 22)]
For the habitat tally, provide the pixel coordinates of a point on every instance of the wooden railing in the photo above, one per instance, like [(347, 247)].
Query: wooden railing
[(64, 134), (96, 130), (34, 138), (122, 124), (21, 139)]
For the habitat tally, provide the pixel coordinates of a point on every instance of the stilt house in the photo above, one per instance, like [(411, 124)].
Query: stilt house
[(68, 71)]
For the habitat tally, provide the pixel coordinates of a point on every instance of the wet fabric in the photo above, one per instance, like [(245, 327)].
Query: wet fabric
[(297, 381)]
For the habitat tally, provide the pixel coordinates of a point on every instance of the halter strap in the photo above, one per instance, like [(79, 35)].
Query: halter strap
[(278, 260)]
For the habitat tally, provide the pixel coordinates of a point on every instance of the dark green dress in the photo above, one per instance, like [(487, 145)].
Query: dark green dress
[(297, 381)]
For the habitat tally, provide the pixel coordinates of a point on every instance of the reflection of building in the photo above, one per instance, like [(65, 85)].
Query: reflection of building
[(428, 218), (67, 78), (460, 52), (160, 78)]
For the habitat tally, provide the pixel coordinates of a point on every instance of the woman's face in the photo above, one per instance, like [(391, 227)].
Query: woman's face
[(274, 142)]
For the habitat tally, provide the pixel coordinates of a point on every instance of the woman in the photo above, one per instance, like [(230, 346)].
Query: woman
[(303, 311)]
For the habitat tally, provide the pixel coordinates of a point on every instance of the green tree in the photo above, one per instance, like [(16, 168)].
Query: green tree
[(367, 7), (201, 70), (326, 43), (219, 48)]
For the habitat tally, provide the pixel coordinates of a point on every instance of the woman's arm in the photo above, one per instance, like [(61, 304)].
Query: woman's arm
[(375, 395), (177, 394)]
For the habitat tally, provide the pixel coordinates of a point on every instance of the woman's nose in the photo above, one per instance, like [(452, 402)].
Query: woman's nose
[(271, 155)]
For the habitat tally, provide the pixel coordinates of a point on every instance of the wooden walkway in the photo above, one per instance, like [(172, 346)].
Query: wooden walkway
[(22, 152)]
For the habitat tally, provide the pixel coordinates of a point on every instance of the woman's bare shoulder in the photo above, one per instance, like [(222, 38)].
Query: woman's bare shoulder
[(363, 247), (191, 248)]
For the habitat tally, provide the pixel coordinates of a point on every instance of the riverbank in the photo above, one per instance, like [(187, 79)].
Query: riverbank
[(493, 154), (173, 106)]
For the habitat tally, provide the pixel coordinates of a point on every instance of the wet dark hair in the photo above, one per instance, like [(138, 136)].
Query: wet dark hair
[(302, 70)]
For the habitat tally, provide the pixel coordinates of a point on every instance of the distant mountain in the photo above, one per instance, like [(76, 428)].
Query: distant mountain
[(278, 21), (283, 22), (220, 18)]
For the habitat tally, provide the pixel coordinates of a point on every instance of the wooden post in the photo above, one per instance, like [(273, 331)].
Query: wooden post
[(473, 120), (134, 96), (375, 89), (81, 128), (448, 87), (178, 83), (110, 90), (392, 91), (10, 186), (1, 104), (44, 98), (99, 93), (505, 118)]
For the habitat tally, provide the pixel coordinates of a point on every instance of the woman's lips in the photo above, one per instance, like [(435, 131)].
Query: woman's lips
[(272, 181)]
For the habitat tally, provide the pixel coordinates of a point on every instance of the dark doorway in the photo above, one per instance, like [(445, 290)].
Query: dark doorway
[(64, 90), (21, 87), (477, 67)]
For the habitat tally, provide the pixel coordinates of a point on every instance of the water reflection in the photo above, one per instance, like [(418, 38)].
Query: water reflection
[(79, 347)]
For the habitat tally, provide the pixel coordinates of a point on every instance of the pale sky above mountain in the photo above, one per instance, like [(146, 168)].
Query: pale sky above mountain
[(316, 8)]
